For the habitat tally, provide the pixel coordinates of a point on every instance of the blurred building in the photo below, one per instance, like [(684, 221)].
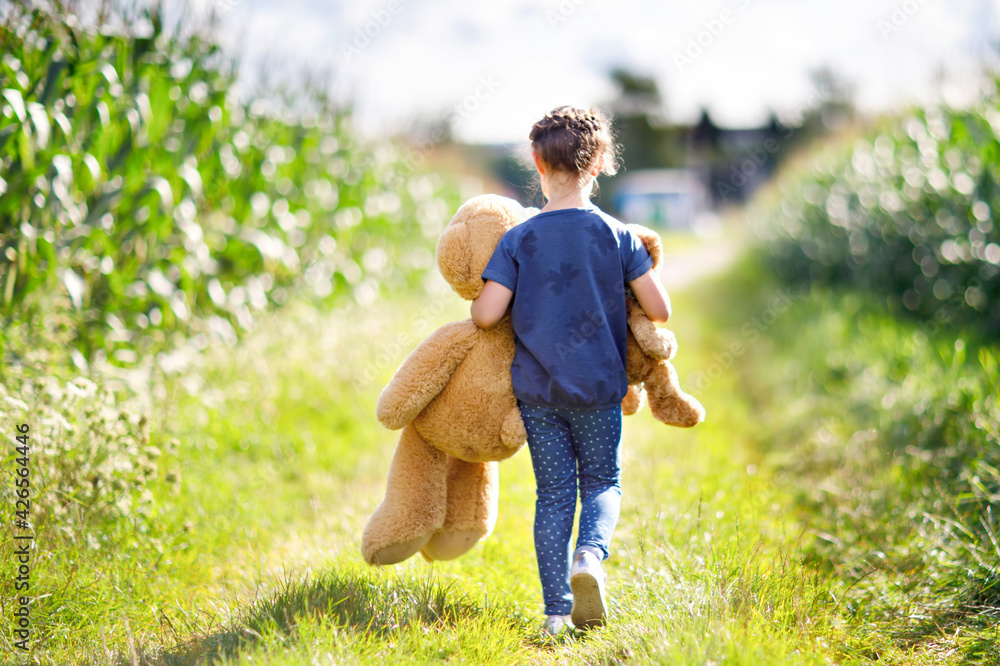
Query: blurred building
[(667, 198), (736, 161)]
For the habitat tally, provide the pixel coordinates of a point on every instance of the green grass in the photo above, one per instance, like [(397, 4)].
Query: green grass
[(885, 430), (282, 463), (838, 506), (255, 559)]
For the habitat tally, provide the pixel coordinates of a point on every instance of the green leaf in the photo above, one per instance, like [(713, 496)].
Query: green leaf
[(115, 84), (989, 362), (64, 125), (75, 286), (52, 82), (93, 166), (40, 119), (16, 102), (25, 150), (102, 205), (8, 292), (103, 113), (123, 151), (162, 187), (6, 133)]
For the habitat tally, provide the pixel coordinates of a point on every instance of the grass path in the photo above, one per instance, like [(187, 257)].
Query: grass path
[(693, 264), (286, 461)]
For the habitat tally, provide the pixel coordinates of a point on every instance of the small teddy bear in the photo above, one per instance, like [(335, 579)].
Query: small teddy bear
[(647, 358), (453, 398)]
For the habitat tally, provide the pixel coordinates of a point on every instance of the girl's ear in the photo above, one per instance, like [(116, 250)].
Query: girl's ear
[(598, 166), (539, 164)]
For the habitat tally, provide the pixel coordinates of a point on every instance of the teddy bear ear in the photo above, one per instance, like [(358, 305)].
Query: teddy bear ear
[(453, 255), (651, 240), (468, 242)]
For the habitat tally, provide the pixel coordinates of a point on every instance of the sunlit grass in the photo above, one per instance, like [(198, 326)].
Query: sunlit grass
[(884, 430), (284, 462), (714, 557)]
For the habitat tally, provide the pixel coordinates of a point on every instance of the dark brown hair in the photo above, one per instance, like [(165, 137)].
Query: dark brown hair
[(572, 140)]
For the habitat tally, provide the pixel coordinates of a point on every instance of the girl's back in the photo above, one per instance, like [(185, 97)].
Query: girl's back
[(568, 269)]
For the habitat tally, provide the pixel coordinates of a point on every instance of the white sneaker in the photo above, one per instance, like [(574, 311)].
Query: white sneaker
[(556, 624), (590, 607)]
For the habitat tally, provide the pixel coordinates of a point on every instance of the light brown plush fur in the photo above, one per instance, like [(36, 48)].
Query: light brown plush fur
[(647, 358), (454, 401)]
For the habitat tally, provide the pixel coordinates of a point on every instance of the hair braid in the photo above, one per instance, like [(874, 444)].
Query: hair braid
[(573, 140)]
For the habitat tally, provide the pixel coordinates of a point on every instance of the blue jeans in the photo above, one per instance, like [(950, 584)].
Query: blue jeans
[(571, 448)]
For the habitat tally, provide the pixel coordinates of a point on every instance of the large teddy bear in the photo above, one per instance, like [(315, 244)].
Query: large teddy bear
[(453, 398)]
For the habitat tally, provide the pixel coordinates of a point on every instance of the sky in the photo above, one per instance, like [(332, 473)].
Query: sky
[(493, 68)]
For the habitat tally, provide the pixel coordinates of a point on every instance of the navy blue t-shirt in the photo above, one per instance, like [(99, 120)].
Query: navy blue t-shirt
[(568, 270)]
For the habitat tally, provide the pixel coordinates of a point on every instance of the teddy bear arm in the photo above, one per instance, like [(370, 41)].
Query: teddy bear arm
[(512, 430), (424, 373), (659, 343), (633, 400), (668, 402)]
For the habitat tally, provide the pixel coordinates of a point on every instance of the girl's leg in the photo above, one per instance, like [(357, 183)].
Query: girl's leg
[(551, 450), (597, 441)]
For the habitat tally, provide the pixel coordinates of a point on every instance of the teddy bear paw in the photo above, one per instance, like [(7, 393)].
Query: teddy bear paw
[(683, 411)]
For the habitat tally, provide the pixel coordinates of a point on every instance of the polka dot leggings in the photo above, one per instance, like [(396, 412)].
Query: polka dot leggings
[(571, 448)]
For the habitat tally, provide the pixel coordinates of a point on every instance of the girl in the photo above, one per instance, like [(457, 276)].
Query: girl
[(564, 273)]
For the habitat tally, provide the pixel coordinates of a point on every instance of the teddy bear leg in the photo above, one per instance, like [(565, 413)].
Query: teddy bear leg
[(668, 402), (473, 496), (414, 503)]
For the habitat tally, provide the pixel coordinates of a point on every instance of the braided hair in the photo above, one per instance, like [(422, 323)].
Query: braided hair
[(572, 140)]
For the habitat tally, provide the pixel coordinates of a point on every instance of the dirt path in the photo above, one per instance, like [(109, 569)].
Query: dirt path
[(686, 267)]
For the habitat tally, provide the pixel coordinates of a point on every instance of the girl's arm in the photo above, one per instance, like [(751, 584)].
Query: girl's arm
[(491, 305), (652, 296)]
